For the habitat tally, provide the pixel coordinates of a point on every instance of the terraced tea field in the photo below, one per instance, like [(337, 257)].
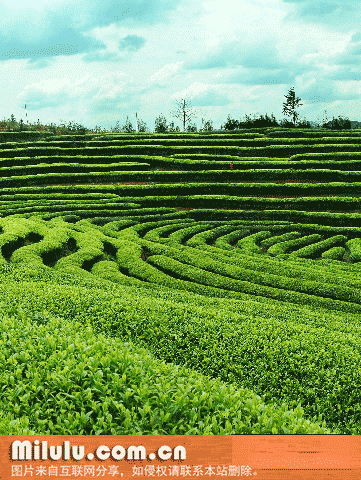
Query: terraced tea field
[(181, 284)]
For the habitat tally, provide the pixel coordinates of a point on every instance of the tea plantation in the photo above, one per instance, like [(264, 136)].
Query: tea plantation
[(181, 283)]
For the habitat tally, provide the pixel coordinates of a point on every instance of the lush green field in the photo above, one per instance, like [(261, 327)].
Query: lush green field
[(181, 284)]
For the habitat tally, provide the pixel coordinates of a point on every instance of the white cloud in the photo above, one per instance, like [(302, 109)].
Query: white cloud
[(192, 91), (74, 57), (243, 21), (204, 95), (55, 91), (165, 73)]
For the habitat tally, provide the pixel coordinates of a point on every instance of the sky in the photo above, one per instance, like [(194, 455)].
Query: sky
[(95, 63)]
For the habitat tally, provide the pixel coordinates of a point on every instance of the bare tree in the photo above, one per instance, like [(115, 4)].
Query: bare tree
[(184, 112), (26, 114)]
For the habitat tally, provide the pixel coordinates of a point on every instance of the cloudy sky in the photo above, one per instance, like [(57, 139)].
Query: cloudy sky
[(94, 63)]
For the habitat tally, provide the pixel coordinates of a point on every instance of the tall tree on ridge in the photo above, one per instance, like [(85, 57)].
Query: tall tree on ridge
[(289, 107), (184, 112)]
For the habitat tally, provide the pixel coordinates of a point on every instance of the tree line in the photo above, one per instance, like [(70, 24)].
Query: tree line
[(185, 112), (290, 107)]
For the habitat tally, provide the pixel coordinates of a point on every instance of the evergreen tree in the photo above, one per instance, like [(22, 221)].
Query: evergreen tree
[(338, 124), (192, 128), (161, 124), (142, 126), (128, 127), (207, 126), (231, 124), (292, 102)]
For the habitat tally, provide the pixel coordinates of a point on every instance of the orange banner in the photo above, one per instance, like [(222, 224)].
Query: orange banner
[(124, 457)]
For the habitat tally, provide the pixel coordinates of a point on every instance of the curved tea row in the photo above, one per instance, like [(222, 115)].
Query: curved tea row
[(201, 301)]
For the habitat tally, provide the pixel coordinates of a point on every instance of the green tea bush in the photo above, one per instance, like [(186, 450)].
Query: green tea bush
[(182, 235), (354, 247), (224, 241), (316, 249), (335, 253), (301, 268), (211, 235), (263, 285), (155, 233), (95, 259), (181, 335), (248, 244), (284, 247), (268, 242), (62, 379)]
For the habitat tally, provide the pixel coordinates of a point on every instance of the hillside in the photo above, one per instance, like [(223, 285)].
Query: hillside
[(181, 283)]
